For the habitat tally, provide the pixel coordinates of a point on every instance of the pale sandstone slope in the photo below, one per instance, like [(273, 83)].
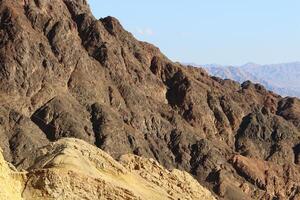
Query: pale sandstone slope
[(11, 183), (73, 169)]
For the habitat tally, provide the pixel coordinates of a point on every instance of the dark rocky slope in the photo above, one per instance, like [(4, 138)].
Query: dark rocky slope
[(66, 74)]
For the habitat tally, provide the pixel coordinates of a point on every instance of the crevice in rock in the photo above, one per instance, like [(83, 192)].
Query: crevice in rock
[(71, 74), (243, 126), (51, 35), (196, 160), (178, 87), (296, 150), (227, 109), (174, 145), (47, 127), (154, 152), (97, 119), (273, 149)]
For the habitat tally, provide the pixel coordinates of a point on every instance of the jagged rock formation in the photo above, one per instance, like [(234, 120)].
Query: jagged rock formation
[(64, 73), (73, 169), (273, 178)]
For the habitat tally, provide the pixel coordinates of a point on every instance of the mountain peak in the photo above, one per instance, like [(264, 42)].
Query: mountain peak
[(112, 25), (63, 73), (250, 64)]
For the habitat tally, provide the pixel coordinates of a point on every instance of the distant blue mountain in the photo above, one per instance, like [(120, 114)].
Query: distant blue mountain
[(283, 79)]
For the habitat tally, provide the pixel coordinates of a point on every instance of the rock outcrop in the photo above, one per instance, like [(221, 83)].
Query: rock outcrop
[(64, 73), (73, 169), (277, 180)]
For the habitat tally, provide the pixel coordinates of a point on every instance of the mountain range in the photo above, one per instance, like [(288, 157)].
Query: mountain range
[(89, 112), (280, 78)]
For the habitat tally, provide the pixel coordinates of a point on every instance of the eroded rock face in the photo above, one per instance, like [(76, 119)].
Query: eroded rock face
[(20, 137), (289, 108), (73, 169), (64, 73), (280, 181), (267, 137)]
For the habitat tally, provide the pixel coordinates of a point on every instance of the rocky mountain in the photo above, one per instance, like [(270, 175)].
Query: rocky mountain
[(73, 169), (65, 74), (281, 78)]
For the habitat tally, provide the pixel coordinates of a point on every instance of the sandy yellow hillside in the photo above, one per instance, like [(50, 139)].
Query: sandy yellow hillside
[(11, 183), (73, 169)]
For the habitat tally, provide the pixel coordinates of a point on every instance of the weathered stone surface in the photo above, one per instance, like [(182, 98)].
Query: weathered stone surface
[(64, 73), (72, 169), (268, 137), (279, 181), (20, 137), (289, 108)]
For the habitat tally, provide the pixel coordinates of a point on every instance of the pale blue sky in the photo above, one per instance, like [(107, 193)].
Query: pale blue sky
[(212, 31)]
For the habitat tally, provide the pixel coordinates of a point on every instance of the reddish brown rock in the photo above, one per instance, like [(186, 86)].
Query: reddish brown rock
[(67, 74), (278, 181)]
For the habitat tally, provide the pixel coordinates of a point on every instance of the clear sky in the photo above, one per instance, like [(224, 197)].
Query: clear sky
[(230, 32)]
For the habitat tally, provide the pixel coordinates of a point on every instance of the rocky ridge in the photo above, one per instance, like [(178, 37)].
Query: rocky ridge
[(64, 73), (73, 169)]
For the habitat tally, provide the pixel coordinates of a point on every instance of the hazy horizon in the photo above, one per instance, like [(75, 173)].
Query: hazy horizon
[(241, 65), (228, 33)]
